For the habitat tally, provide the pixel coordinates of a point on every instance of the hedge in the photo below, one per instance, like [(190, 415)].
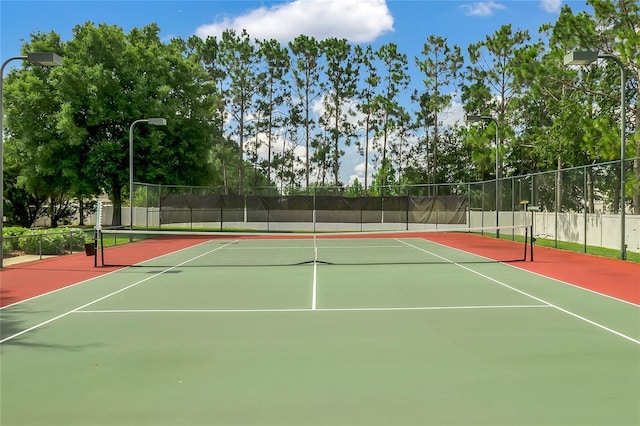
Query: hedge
[(52, 241)]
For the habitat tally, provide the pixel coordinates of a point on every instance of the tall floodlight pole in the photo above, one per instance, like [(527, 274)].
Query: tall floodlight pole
[(475, 119), (586, 58), (153, 122), (45, 59)]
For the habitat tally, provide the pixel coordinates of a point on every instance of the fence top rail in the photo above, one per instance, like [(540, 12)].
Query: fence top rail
[(404, 188)]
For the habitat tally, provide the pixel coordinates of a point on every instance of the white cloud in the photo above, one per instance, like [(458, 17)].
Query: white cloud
[(551, 6), (482, 8), (356, 20), (455, 113), (358, 173)]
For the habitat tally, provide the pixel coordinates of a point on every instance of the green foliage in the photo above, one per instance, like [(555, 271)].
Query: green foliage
[(84, 109), (340, 86), (226, 98), (11, 237), (54, 241), (140, 197), (441, 67)]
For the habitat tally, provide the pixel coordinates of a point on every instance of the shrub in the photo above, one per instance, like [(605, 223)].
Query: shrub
[(53, 241), (72, 241), (75, 237), (11, 237), (42, 242)]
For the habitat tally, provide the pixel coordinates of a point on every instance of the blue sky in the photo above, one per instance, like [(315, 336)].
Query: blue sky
[(405, 22), (408, 23)]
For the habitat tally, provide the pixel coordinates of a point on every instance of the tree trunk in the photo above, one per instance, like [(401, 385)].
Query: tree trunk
[(81, 212)]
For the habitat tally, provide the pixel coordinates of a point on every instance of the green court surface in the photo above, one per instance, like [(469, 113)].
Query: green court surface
[(321, 332)]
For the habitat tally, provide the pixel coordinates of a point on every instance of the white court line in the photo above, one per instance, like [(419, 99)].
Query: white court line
[(97, 277), (315, 278), (251, 311), (545, 303), (588, 290), (603, 327), (345, 247), (13, 336)]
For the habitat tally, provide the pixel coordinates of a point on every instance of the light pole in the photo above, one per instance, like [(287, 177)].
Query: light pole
[(586, 58), (45, 59), (153, 122), (474, 119)]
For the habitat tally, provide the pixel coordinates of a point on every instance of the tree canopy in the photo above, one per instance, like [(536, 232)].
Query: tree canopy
[(243, 113)]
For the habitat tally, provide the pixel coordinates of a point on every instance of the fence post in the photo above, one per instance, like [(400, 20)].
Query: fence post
[(221, 212), (468, 205), (513, 207), (482, 208), (313, 214), (585, 205), (557, 207), (160, 206), (437, 205), (407, 209)]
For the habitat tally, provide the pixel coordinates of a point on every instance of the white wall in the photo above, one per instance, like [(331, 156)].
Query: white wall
[(599, 229)]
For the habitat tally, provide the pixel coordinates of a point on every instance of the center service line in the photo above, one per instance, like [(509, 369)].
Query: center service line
[(315, 277)]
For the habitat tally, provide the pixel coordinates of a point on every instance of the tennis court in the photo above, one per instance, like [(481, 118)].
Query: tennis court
[(320, 330)]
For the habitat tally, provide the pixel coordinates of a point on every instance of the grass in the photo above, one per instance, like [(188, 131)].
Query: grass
[(116, 240), (593, 250), (575, 247)]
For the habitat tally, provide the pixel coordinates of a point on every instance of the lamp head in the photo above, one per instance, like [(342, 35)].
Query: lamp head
[(476, 118), (45, 59), (157, 121), (580, 57)]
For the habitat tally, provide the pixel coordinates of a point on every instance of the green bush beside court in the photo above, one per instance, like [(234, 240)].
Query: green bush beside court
[(53, 241)]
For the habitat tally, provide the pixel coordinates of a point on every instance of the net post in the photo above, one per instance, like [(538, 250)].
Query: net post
[(532, 209), (531, 241), (101, 247), (97, 230), (525, 208), (95, 248), (526, 243)]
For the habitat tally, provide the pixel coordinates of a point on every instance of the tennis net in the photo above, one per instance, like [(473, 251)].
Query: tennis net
[(122, 247)]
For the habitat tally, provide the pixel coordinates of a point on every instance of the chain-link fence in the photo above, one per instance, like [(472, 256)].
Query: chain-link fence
[(38, 243), (577, 205)]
